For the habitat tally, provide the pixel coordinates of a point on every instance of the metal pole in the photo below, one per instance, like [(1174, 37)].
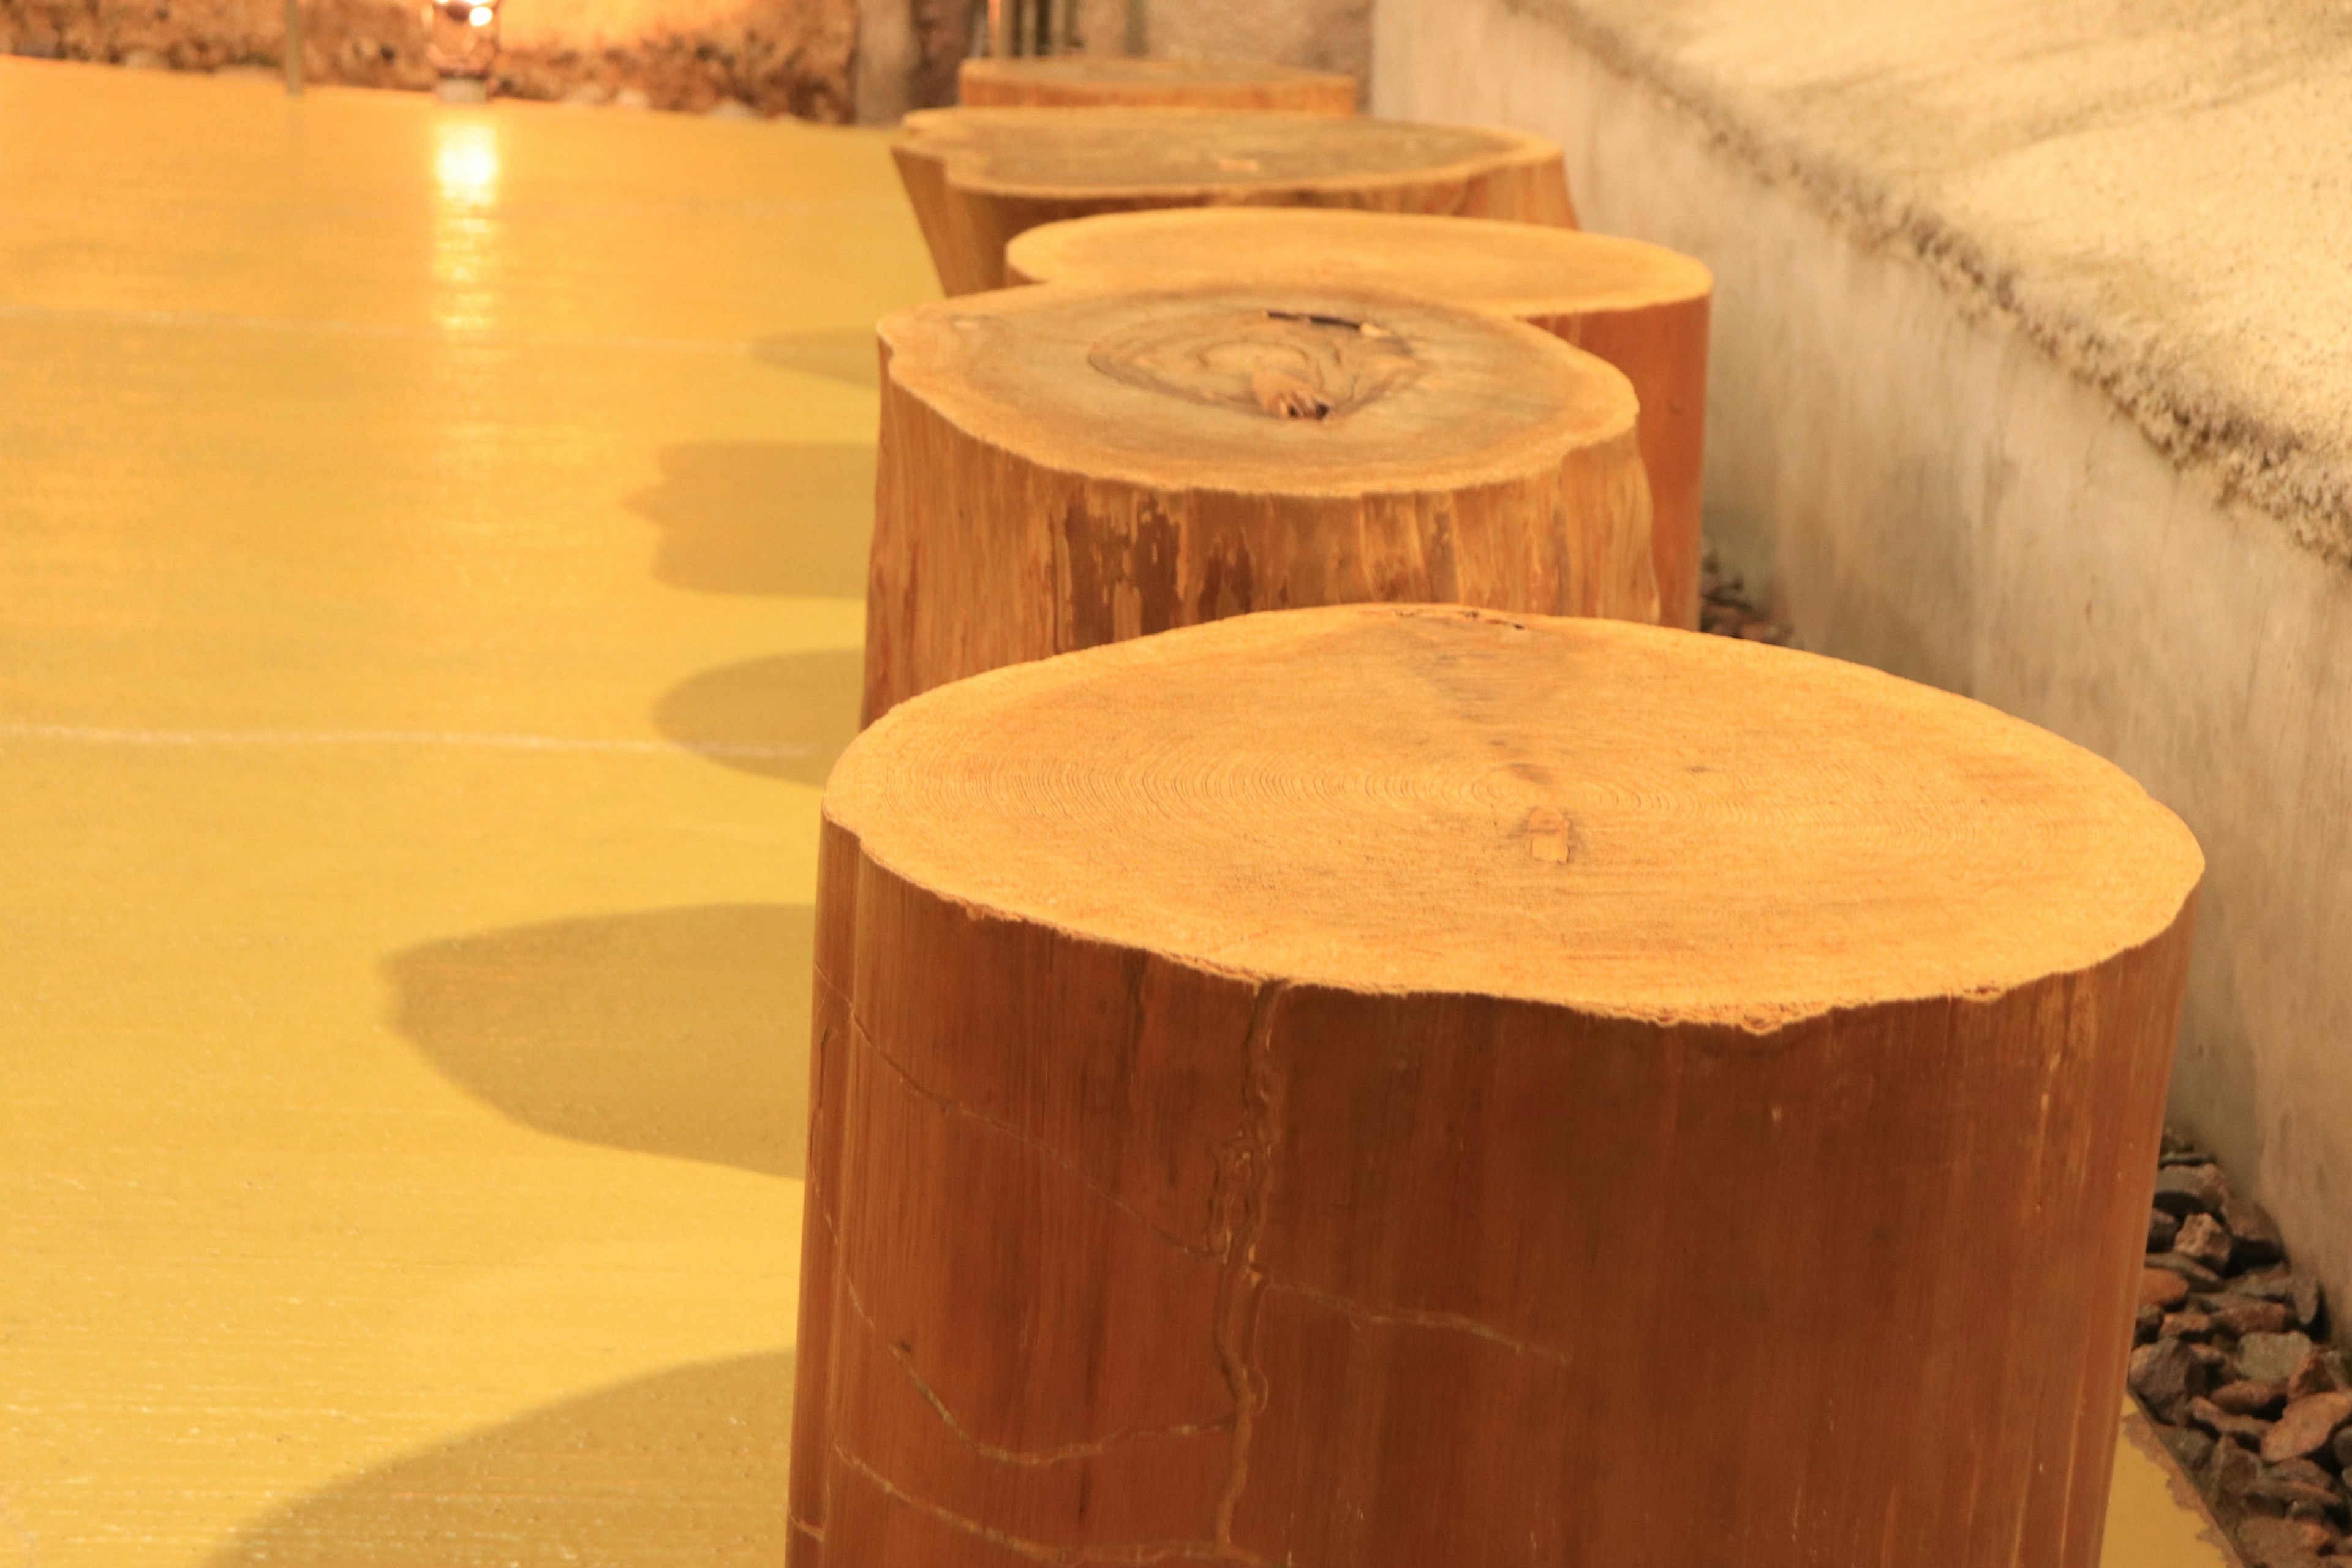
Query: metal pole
[(293, 49)]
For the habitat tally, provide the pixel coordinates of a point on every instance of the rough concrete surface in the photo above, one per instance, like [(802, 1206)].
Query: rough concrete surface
[(2157, 191), (1920, 486)]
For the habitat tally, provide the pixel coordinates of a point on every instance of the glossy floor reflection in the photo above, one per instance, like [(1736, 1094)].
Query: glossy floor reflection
[(427, 621)]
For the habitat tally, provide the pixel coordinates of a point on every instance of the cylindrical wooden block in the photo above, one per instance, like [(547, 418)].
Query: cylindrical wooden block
[(1062, 467), (1382, 1087), (1099, 82), (979, 176), (1643, 308)]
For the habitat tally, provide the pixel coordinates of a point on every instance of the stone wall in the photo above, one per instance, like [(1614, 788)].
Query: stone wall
[(778, 57)]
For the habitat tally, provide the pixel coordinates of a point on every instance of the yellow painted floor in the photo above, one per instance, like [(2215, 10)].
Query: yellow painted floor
[(431, 556)]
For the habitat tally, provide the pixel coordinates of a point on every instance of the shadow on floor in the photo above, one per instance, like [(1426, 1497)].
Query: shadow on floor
[(763, 517), (787, 717), (681, 1032), (683, 1466), (839, 353)]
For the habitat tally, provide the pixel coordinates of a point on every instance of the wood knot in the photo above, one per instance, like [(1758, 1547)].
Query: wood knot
[(1281, 365)]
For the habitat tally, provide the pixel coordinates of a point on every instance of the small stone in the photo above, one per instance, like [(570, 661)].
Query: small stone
[(2231, 1471), (2244, 1397), (2240, 1318), (145, 60), (731, 109), (2246, 1429), (2191, 1447), (2275, 1543), (2146, 1324), (2273, 1495), (2184, 1190), (2218, 1368), (2270, 1358), (2166, 1377), (2203, 1238), (2162, 1288), (632, 97), (2304, 1471), (2322, 1372), (2186, 1326), (2200, 1277), (2340, 1449), (2318, 1536), (2252, 1229), (2161, 1228), (2306, 1427)]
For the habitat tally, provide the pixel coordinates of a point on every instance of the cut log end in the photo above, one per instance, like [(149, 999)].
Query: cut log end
[(1643, 308), (1069, 465), (980, 176), (1627, 821)]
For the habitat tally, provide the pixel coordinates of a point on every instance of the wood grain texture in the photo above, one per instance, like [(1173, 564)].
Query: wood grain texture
[(1105, 81), (979, 176), (1069, 465), (1317, 1085), (1643, 308)]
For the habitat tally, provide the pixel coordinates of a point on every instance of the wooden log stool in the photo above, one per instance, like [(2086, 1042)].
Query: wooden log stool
[(1099, 82), (1383, 1086), (979, 176), (1062, 467), (1643, 308)]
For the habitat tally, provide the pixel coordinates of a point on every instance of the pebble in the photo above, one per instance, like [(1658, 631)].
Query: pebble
[(2276, 1543), (2240, 1318), (2184, 1190), (2322, 1372), (2232, 1470), (2245, 1397), (2186, 1326), (2305, 1427), (2146, 1324), (145, 60), (2189, 1269), (2252, 1229), (2190, 1446), (2341, 1450), (2246, 1429), (2165, 1376), (2204, 1239), (2161, 1228), (632, 97), (2162, 1288), (731, 109), (2270, 1358)]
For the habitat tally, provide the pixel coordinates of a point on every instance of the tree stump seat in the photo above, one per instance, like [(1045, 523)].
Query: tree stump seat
[(1643, 308), (979, 176), (1386, 1086), (1070, 465), (1100, 82)]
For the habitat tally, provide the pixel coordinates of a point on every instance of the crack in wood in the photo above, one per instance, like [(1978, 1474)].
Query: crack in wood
[(1092, 1448), (1415, 1317), (859, 1032), (1245, 1175), (1137, 1553)]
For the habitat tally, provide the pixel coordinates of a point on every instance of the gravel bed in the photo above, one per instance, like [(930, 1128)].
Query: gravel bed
[(2231, 1358)]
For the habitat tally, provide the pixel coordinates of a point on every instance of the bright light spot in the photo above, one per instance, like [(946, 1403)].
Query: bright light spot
[(480, 16), (465, 161)]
